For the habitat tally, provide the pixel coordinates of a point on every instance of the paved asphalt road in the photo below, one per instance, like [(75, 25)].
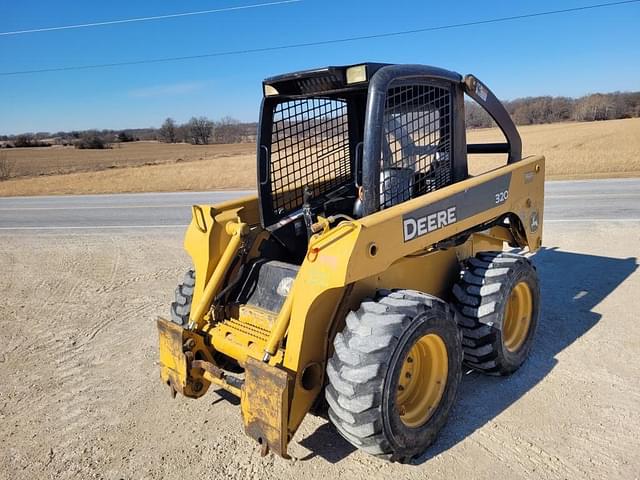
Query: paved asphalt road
[(566, 201)]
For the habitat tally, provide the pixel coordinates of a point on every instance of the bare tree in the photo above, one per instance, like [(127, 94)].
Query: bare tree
[(200, 130), (92, 139), (182, 133), (25, 140), (595, 107), (476, 116), (168, 131), (227, 130)]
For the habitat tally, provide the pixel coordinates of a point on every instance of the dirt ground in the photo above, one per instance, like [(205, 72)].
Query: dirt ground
[(81, 396)]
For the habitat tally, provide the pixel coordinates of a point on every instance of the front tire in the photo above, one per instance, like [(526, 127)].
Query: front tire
[(394, 374)]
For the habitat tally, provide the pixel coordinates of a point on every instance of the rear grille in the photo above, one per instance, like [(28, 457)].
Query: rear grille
[(316, 84)]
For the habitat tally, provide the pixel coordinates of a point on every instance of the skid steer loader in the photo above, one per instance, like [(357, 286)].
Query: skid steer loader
[(368, 268)]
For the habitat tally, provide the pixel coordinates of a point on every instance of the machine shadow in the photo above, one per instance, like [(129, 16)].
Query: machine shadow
[(326, 442), (223, 395), (572, 284)]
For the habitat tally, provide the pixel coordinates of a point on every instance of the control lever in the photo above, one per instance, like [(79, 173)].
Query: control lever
[(306, 211)]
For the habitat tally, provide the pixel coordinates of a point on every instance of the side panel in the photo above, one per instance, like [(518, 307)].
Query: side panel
[(384, 231), (317, 300), (309, 341), (459, 206), (433, 273)]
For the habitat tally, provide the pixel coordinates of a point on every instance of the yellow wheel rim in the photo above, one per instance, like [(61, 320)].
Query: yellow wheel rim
[(517, 317), (422, 380)]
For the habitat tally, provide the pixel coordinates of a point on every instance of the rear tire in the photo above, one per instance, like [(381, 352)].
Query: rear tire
[(375, 348), (181, 306), (498, 305)]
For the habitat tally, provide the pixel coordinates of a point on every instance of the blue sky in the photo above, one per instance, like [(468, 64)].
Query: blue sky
[(567, 54)]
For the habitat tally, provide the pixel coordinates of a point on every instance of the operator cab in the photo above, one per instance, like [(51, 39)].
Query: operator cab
[(346, 142)]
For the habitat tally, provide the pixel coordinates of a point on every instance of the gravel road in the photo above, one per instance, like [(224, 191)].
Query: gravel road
[(81, 396)]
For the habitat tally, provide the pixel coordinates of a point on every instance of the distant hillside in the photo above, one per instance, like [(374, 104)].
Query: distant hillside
[(537, 110), (223, 131)]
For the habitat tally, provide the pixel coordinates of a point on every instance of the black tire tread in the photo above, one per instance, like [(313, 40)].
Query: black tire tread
[(181, 306), (354, 392), (478, 294)]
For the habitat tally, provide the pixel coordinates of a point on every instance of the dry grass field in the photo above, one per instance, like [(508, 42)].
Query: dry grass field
[(573, 151), (58, 160)]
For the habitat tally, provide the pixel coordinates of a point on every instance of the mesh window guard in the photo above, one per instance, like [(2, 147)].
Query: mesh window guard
[(309, 147), (416, 143)]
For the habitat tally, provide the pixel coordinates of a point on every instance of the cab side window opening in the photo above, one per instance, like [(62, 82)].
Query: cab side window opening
[(481, 128), (309, 147), (416, 143)]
